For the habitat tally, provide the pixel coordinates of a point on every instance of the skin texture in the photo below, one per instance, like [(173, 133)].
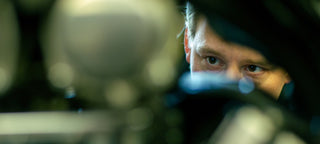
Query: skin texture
[(206, 51)]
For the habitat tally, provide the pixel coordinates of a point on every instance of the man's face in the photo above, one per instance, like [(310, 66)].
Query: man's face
[(209, 52)]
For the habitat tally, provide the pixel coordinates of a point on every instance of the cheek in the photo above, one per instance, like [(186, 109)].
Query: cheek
[(273, 85)]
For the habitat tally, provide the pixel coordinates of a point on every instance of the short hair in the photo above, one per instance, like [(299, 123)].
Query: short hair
[(191, 19)]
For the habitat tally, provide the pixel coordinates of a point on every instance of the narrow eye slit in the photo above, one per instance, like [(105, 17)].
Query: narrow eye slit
[(212, 60), (254, 68)]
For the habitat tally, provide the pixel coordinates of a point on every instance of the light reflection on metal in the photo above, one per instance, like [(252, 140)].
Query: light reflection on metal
[(70, 93), (246, 85), (201, 81), (248, 125), (60, 127), (207, 81), (106, 40), (61, 75), (121, 94), (161, 72), (57, 123), (116, 51)]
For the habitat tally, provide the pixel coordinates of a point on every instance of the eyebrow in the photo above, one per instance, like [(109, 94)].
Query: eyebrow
[(206, 49), (259, 62)]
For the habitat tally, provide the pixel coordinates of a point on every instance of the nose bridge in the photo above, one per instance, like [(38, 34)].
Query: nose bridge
[(233, 72)]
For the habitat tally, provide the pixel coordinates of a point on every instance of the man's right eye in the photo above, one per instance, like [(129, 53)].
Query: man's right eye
[(212, 60)]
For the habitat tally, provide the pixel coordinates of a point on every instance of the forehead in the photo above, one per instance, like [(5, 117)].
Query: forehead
[(207, 40)]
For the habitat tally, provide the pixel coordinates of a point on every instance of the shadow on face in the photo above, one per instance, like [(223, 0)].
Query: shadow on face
[(207, 51)]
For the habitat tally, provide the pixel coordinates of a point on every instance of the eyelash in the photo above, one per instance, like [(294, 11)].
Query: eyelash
[(255, 67), (252, 73), (209, 58), (214, 63)]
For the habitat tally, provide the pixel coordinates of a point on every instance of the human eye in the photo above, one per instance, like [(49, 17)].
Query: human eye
[(213, 60), (254, 70)]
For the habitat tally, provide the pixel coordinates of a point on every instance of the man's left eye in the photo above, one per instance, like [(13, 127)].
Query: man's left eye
[(254, 68)]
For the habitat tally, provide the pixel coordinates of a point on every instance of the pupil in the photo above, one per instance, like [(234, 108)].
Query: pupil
[(212, 60), (252, 67)]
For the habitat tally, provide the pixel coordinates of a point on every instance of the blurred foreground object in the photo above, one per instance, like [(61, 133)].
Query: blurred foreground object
[(249, 125), (60, 127), (9, 43), (112, 51), (116, 56), (217, 111)]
